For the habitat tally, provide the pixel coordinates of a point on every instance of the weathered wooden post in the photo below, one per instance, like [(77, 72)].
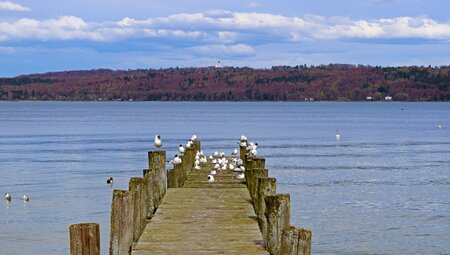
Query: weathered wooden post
[(157, 166), (84, 239), (197, 145), (258, 162), (295, 241), (266, 187), (256, 173), (243, 153), (121, 236), (152, 192), (137, 191), (278, 209)]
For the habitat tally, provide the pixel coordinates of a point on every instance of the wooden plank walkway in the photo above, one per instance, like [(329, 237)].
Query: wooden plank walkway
[(204, 218)]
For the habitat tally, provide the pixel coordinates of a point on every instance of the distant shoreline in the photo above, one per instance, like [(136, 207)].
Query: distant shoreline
[(325, 83)]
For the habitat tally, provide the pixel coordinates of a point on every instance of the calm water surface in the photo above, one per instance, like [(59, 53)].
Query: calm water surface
[(384, 188)]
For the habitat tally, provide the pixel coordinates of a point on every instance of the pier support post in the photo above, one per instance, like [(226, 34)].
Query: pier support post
[(151, 188), (256, 173), (138, 197), (157, 166), (278, 209), (243, 153), (121, 236), (266, 187), (84, 239), (296, 241)]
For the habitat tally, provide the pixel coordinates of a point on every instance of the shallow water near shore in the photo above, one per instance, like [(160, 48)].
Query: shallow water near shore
[(383, 188)]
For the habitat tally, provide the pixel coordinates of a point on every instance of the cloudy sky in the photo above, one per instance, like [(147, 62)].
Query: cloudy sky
[(55, 35)]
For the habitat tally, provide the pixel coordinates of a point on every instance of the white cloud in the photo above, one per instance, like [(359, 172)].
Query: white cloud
[(219, 27), (9, 6)]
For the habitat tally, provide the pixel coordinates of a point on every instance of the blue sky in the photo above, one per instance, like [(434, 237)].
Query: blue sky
[(50, 35)]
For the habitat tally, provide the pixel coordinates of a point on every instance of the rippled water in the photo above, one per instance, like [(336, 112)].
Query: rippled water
[(384, 188)]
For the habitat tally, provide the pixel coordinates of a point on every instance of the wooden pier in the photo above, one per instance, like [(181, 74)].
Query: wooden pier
[(180, 212)]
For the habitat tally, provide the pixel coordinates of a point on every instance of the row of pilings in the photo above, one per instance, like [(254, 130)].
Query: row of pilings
[(273, 211), (132, 209)]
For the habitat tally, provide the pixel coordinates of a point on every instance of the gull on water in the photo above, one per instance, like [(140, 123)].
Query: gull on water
[(440, 126), (26, 198), (8, 197), (338, 136), (110, 180), (158, 142)]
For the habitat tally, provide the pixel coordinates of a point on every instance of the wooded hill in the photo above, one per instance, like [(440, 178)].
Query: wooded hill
[(334, 82)]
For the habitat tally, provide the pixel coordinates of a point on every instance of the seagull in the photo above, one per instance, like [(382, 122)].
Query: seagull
[(213, 172), (440, 126), (216, 166), (235, 152), (338, 136), (158, 142), (189, 144), (231, 167), (240, 176), (181, 149), (252, 153), (243, 138), (216, 154), (203, 160), (176, 160), (193, 138), (210, 178), (26, 198), (110, 180), (8, 197), (197, 167)]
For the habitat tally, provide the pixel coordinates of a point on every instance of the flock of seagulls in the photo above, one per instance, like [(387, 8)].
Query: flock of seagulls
[(8, 198)]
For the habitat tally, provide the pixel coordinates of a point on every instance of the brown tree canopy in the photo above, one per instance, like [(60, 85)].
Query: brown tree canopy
[(334, 82)]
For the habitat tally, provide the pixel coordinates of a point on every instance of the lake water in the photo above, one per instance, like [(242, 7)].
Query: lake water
[(384, 188)]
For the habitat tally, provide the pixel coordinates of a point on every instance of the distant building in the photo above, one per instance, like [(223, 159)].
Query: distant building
[(388, 98), (369, 98)]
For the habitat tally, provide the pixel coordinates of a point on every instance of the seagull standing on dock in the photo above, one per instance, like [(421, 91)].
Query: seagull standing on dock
[(176, 160), (240, 176), (181, 149), (158, 142)]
